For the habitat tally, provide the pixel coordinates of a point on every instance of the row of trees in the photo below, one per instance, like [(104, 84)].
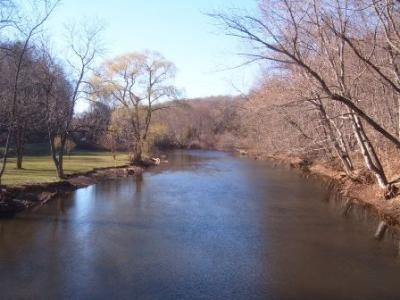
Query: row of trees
[(39, 92), (333, 86), (205, 123), (331, 89)]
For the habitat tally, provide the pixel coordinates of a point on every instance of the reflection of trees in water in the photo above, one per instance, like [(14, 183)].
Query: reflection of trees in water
[(109, 187), (25, 231), (184, 160), (64, 204), (16, 237), (51, 222), (138, 183)]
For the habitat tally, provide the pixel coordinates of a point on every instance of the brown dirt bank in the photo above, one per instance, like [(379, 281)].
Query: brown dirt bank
[(17, 198)]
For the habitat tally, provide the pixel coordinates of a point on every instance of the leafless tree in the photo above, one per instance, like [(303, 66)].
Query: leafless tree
[(135, 82), (28, 28), (315, 39), (85, 45)]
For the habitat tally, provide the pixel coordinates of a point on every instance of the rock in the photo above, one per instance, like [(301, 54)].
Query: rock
[(81, 181), (155, 160), (46, 196), (132, 171), (242, 152)]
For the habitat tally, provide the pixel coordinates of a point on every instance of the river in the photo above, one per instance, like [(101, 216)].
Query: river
[(206, 225)]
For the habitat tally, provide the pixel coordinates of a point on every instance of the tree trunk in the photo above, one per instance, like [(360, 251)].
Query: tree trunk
[(370, 157), (20, 144), (58, 158), (138, 151), (5, 154), (398, 109), (338, 143), (20, 156), (340, 149), (60, 166)]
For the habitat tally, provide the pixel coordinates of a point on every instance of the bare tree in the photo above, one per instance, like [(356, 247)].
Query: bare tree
[(310, 39), (85, 46), (135, 82), (282, 34), (28, 31), (380, 52)]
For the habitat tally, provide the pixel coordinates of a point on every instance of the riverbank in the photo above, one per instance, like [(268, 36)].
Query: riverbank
[(255, 221), (39, 167), (353, 193), (16, 198)]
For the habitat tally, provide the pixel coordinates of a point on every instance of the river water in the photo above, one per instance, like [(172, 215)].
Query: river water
[(206, 225)]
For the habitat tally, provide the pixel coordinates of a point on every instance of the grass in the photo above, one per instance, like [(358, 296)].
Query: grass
[(40, 169)]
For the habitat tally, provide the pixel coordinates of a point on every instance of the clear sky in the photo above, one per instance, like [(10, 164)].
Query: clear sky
[(179, 29)]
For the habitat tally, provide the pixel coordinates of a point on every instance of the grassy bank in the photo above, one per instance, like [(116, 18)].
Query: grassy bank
[(40, 169)]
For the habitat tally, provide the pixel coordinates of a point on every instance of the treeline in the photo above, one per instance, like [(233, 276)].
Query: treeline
[(202, 123), (332, 88), (39, 89), (330, 92)]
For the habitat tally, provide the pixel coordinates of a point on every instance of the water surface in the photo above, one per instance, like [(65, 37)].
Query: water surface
[(204, 226)]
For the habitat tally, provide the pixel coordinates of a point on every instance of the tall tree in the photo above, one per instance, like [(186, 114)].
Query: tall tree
[(28, 27), (85, 46), (310, 39), (135, 82)]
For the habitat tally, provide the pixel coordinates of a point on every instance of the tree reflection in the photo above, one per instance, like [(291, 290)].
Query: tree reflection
[(138, 183)]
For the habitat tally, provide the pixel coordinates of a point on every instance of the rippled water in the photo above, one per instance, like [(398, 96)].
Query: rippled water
[(205, 226)]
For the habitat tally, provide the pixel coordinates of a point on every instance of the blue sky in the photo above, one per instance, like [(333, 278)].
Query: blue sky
[(178, 29)]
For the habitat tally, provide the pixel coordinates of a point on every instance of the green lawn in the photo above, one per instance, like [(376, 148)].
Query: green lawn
[(39, 169)]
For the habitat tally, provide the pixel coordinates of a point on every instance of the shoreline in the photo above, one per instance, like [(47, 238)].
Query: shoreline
[(349, 192), (17, 198)]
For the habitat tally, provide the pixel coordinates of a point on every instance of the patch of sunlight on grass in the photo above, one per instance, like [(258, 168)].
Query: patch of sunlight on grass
[(40, 169)]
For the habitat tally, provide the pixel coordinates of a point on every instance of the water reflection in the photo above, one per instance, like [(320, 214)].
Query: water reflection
[(204, 226), (138, 184)]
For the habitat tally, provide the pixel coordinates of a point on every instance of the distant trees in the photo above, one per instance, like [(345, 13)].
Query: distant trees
[(331, 90), (133, 84), (91, 126), (208, 123)]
